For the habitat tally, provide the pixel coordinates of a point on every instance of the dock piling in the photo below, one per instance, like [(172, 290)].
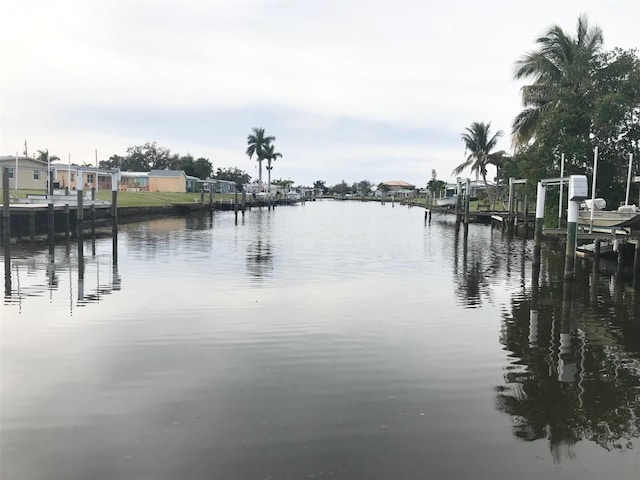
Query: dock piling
[(115, 177), (67, 221), (537, 235), (80, 208), (6, 220)]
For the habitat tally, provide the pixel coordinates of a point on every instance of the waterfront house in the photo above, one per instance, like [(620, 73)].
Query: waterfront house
[(66, 176), (134, 182), (31, 173), (167, 181), (399, 188)]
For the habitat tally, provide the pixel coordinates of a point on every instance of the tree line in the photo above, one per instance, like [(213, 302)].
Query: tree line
[(580, 96)]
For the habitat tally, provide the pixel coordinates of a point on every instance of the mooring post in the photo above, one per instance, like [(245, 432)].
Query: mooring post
[(6, 209), (537, 235), (572, 228), (51, 229), (32, 226), (202, 196), (79, 207), (467, 201), (578, 190), (67, 221), (244, 202), (636, 257), (510, 206), (210, 197), (93, 220), (93, 193), (458, 203), (235, 206), (526, 214), (115, 178), (596, 250), (50, 189), (620, 266)]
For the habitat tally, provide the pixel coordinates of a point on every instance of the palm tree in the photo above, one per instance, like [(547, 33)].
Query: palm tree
[(257, 142), (270, 155), (45, 156), (479, 145), (561, 70)]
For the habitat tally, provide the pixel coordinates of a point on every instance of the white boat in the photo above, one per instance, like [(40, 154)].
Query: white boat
[(626, 216), (295, 196), (446, 202)]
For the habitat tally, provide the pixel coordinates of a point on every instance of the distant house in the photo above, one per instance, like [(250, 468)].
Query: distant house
[(134, 182), (31, 173), (167, 181), (66, 176), (395, 185), (398, 188), (225, 186)]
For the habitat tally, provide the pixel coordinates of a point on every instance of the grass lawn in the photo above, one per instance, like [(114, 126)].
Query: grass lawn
[(138, 199)]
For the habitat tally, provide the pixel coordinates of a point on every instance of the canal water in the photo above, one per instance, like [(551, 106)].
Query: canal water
[(334, 339)]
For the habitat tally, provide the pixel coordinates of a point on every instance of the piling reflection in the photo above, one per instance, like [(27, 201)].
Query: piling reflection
[(53, 271), (575, 369)]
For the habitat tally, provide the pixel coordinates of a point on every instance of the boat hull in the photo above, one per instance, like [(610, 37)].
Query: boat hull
[(610, 219)]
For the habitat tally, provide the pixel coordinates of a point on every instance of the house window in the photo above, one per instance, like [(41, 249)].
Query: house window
[(10, 172), (36, 174), (89, 177), (73, 176)]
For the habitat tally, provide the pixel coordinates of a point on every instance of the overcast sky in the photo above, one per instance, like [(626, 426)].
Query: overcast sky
[(351, 90)]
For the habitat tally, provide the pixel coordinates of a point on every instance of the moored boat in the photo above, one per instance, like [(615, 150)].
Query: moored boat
[(626, 216)]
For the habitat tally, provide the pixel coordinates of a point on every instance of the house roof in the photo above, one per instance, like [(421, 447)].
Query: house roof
[(397, 183), (166, 173), (12, 158)]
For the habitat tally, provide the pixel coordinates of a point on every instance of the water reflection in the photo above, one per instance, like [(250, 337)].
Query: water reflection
[(260, 250), (575, 370), (24, 267)]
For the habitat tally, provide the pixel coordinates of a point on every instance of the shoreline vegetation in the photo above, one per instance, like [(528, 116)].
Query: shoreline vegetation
[(131, 200)]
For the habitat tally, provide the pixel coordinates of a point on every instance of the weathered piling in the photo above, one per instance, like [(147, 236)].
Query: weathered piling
[(510, 207), (597, 249), (572, 229), (67, 221), (244, 202), (6, 221), (50, 223), (235, 206), (51, 235), (525, 215), (620, 264), (80, 207), (537, 234), (467, 201), (32, 226), (202, 196), (93, 219), (578, 190), (115, 177)]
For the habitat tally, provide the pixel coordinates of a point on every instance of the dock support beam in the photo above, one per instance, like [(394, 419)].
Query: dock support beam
[(115, 178), (80, 213), (537, 235), (6, 222), (570, 251)]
